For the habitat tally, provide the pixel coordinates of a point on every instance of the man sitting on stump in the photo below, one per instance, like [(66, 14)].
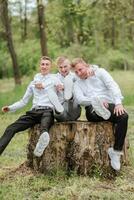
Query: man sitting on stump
[(72, 110), (42, 108), (102, 99)]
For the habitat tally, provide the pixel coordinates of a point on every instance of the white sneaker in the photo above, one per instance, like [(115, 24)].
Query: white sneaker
[(41, 144), (100, 109), (68, 87), (55, 101), (115, 158)]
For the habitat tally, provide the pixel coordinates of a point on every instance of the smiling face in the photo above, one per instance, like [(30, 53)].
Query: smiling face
[(45, 66), (63, 65), (64, 68), (81, 70)]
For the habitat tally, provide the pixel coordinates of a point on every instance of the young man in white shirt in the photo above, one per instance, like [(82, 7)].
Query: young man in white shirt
[(41, 112), (100, 95), (72, 110)]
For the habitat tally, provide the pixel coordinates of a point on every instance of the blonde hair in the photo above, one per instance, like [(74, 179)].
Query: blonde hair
[(61, 59), (75, 61)]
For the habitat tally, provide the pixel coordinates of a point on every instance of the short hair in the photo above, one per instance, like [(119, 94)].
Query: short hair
[(46, 58), (75, 61), (61, 59)]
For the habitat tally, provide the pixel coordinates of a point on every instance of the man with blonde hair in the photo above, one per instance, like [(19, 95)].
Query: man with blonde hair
[(102, 99), (72, 110)]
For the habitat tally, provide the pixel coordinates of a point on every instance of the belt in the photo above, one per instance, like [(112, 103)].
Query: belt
[(42, 108)]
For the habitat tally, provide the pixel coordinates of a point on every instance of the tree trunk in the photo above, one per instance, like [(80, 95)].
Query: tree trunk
[(74, 146), (41, 21), (113, 33), (6, 23), (25, 20)]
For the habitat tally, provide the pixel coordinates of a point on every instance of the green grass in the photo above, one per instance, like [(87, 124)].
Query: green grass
[(20, 183), (9, 93), (125, 79)]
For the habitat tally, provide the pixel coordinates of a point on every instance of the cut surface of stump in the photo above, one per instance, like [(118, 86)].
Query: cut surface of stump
[(74, 146)]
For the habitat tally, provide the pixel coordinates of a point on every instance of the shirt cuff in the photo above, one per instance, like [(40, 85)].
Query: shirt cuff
[(118, 101), (11, 109)]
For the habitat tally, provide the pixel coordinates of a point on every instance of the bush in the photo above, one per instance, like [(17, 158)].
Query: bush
[(28, 56), (77, 50), (115, 60)]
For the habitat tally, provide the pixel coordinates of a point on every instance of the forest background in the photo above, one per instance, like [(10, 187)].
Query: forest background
[(101, 31)]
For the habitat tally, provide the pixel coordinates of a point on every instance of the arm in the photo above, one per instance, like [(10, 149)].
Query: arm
[(38, 83), (111, 85), (58, 84), (21, 103), (79, 96), (115, 90)]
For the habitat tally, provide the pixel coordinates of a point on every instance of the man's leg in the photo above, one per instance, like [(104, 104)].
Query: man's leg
[(121, 123), (92, 116), (55, 100), (74, 110), (71, 112), (47, 121), (99, 108), (62, 117), (23, 123)]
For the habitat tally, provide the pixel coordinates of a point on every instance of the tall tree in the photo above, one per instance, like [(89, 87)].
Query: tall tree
[(42, 26), (68, 13), (8, 33), (25, 20)]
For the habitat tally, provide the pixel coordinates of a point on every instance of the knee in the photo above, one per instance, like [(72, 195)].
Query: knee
[(9, 128), (124, 117), (90, 116)]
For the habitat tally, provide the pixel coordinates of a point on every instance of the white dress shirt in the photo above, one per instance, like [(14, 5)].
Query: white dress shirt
[(40, 97), (101, 84), (71, 74)]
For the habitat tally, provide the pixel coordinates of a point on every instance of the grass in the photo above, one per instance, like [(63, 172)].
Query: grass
[(125, 79), (19, 183)]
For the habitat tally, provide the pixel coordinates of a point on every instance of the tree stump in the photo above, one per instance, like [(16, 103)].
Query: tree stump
[(74, 146)]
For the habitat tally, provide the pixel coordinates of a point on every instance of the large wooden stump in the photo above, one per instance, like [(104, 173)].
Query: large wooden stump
[(79, 146)]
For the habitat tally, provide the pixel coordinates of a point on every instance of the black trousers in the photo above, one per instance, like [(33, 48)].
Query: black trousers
[(120, 122), (44, 117)]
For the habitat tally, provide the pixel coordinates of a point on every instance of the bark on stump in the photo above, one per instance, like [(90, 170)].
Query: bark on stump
[(75, 146)]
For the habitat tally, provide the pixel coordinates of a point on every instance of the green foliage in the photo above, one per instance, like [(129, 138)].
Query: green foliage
[(29, 58), (99, 31), (10, 93), (115, 60)]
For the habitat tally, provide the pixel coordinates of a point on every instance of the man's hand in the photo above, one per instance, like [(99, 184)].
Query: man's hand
[(88, 73), (5, 109), (59, 87), (119, 109), (39, 86), (105, 103)]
